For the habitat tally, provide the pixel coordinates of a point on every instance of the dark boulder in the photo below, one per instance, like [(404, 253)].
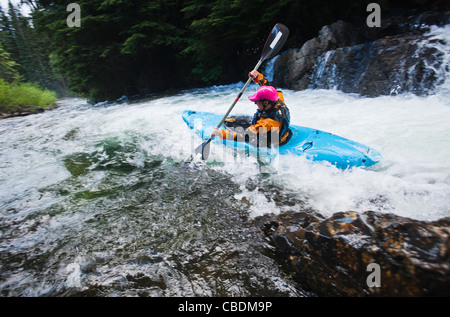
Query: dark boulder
[(398, 57), (331, 257)]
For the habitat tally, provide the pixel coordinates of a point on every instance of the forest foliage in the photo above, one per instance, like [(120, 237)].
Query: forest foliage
[(140, 47), (27, 82), (23, 97)]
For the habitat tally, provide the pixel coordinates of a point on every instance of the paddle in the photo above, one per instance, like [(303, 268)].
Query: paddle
[(274, 43)]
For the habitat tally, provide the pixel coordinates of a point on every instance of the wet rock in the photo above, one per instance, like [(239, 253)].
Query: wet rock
[(398, 57), (21, 112), (331, 257)]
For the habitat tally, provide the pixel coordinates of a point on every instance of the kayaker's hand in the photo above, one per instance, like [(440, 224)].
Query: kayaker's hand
[(215, 132), (253, 74)]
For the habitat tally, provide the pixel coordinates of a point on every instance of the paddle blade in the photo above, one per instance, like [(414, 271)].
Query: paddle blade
[(203, 149), (275, 41)]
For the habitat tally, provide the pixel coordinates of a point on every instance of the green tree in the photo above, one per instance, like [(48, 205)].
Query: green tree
[(226, 36), (122, 47), (139, 47), (29, 50), (8, 70)]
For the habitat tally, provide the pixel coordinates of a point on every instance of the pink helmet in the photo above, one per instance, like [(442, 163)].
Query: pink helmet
[(265, 92)]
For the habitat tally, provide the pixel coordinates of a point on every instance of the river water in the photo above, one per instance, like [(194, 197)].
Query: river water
[(94, 199)]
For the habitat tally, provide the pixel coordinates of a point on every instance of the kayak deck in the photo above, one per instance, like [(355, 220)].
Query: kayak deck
[(313, 144)]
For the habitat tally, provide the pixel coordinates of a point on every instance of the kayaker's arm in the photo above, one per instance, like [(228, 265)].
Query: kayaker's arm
[(262, 130), (258, 78), (224, 134)]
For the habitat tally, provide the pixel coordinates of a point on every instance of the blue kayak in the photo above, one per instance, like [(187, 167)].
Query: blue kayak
[(312, 144)]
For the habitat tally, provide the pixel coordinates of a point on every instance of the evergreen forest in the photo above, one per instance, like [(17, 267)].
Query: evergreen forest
[(136, 48)]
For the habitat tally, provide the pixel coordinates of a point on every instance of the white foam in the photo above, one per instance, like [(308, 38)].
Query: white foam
[(74, 278), (412, 134)]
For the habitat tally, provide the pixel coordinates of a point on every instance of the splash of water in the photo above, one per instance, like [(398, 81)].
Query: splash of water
[(93, 200)]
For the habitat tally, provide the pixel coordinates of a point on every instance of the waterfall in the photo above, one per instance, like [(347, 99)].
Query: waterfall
[(440, 40), (408, 62), (269, 69), (325, 73)]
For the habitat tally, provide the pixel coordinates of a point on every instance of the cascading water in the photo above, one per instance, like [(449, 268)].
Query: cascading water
[(94, 200)]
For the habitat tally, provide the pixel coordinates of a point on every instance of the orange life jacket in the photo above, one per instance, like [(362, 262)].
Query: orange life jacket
[(265, 124)]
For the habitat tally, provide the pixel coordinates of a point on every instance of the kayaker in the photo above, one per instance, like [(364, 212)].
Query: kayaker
[(270, 124)]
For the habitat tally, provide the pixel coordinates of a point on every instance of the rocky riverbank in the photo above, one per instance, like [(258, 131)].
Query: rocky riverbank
[(21, 112), (400, 56), (342, 255)]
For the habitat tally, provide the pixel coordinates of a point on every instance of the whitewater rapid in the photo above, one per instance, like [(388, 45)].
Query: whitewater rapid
[(411, 133), (94, 199)]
